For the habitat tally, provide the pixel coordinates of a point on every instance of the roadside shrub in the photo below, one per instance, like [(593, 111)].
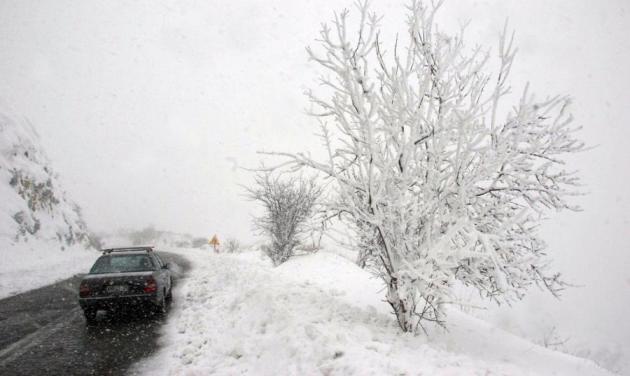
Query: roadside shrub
[(288, 205), (232, 245)]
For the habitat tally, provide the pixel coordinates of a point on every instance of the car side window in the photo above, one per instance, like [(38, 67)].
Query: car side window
[(159, 261), (147, 263)]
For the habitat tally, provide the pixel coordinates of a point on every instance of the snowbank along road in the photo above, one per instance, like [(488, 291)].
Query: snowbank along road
[(320, 314), (43, 332)]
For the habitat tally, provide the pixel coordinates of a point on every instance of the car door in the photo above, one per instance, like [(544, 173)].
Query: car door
[(164, 274)]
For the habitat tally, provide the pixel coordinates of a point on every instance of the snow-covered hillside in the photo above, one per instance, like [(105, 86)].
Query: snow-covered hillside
[(42, 234), (321, 314)]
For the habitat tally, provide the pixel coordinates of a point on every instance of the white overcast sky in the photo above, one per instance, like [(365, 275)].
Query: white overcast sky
[(147, 108)]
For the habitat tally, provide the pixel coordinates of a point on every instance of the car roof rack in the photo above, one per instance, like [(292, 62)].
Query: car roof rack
[(128, 249)]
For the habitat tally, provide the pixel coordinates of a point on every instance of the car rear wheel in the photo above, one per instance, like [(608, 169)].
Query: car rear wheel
[(169, 296), (90, 315), (161, 307)]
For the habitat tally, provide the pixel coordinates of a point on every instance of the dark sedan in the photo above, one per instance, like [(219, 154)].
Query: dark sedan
[(125, 277)]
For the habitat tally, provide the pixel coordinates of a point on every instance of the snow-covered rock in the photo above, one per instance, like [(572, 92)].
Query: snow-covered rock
[(42, 234), (321, 314)]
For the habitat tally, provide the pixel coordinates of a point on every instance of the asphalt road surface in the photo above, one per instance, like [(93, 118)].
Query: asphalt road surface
[(43, 332)]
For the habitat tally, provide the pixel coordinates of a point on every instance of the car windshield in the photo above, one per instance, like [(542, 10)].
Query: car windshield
[(122, 264)]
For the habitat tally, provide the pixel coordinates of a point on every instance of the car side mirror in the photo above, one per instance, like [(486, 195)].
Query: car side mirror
[(165, 266)]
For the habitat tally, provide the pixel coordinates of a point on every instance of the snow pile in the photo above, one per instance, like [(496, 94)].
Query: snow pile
[(42, 234), (320, 314), (27, 266), (534, 318)]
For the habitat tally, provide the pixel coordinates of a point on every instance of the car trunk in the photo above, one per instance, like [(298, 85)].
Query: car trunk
[(116, 284)]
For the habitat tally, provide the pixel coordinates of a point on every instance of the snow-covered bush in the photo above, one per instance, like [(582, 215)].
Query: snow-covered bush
[(232, 245), (288, 205), (440, 180)]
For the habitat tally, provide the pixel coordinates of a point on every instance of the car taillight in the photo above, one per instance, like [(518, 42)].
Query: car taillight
[(84, 290), (150, 285)]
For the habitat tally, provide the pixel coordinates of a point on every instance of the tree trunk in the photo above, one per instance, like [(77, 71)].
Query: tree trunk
[(362, 258), (403, 304)]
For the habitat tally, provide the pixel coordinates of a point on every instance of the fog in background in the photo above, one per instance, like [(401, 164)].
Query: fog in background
[(148, 109)]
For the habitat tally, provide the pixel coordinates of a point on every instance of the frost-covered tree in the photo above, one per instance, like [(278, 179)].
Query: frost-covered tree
[(288, 206), (439, 180)]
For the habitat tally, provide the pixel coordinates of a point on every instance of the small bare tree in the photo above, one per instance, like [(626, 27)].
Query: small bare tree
[(440, 181), (288, 205), (232, 245)]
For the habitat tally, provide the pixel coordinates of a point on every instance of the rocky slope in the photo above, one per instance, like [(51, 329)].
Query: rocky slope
[(33, 203), (40, 226)]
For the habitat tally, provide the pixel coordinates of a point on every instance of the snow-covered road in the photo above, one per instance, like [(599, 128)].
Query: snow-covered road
[(320, 314)]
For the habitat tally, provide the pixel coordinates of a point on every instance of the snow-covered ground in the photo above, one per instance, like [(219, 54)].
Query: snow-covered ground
[(320, 314), (27, 266), (150, 236)]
